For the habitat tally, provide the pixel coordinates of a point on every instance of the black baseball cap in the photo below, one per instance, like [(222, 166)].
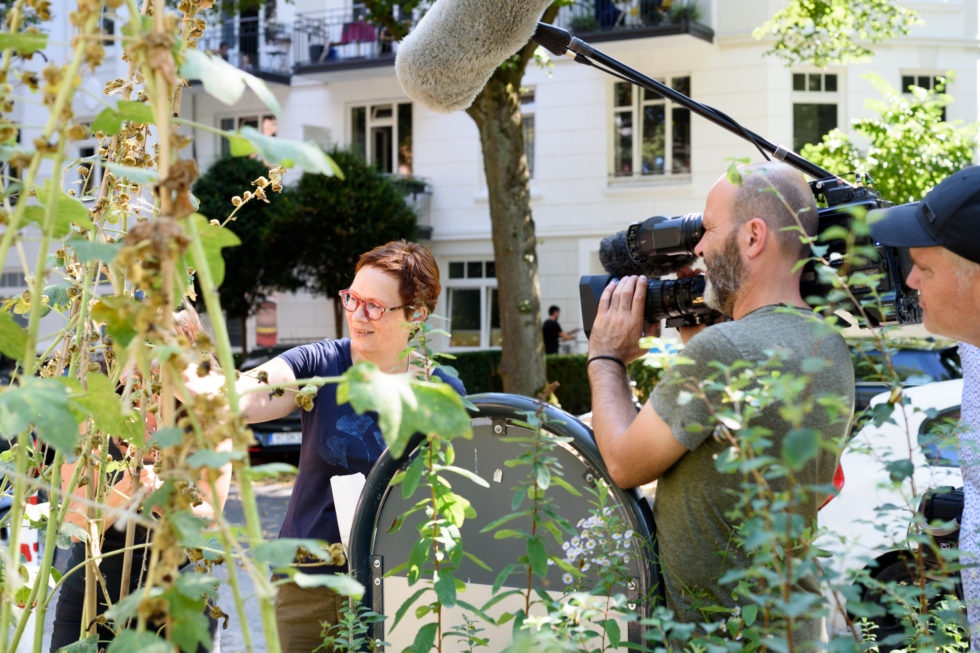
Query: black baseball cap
[(948, 216)]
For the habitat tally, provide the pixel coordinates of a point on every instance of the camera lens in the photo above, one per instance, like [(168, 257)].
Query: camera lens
[(674, 298)]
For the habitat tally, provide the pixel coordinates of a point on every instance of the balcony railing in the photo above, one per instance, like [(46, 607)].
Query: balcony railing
[(342, 38), (616, 18)]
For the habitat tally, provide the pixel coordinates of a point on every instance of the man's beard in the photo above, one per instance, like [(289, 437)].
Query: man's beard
[(723, 278)]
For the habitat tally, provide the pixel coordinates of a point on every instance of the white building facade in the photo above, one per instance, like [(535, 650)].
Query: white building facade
[(603, 154)]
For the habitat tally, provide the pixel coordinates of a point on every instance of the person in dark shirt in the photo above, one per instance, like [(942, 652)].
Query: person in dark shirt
[(395, 288), (552, 332)]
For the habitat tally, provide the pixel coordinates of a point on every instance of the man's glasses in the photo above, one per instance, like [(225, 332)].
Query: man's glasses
[(374, 312)]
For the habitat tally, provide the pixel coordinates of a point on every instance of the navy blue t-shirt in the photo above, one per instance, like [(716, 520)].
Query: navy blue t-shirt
[(336, 441)]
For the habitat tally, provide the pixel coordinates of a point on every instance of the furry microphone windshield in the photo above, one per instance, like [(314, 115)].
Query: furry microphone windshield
[(447, 59)]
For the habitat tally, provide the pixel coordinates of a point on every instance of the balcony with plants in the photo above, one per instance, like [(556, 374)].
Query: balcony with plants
[(316, 42)]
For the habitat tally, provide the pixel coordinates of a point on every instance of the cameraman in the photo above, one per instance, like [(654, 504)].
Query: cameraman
[(942, 233), (753, 223)]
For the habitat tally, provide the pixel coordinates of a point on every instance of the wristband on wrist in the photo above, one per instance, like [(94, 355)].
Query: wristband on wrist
[(606, 358)]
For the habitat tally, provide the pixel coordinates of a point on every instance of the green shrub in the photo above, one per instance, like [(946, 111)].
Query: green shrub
[(568, 371), (478, 371)]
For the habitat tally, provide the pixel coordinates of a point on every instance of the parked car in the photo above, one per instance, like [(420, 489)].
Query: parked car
[(913, 362), (278, 439), (869, 521)]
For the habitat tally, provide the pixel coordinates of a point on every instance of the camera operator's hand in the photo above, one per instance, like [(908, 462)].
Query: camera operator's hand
[(618, 325)]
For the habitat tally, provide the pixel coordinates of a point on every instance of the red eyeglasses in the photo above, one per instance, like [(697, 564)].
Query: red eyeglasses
[(374, 311)]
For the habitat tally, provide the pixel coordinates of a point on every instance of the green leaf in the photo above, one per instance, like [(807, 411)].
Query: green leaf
[(537, 556), (88, 645), (87, 250), (68, 211), (110, 120), (45, 406), (424, 639), (800, 446), (166, 437), (101, 402), (188, 526), (268, 470), (134, 175), (413, 475), (542, 474), (145, 641), (185, 607), (117, 313), (282, 552), (340, 583), (465, 473), (214, 238), (900, 469), (13, 338), (405, 406), (226, 82), (205, 458), (611, 626), (23, 42), (445, 588), (309, 157)]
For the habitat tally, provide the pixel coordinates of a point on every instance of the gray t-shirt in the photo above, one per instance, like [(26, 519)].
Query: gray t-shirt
[(694, 501)]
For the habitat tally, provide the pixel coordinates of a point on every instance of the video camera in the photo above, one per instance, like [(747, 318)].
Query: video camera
[(659, 246)]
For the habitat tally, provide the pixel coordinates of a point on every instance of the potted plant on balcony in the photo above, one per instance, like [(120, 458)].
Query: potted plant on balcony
[(583, 23), (685, 13), (277, 34)]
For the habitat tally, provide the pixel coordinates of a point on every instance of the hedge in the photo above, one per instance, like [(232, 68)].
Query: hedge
[(478, 371)]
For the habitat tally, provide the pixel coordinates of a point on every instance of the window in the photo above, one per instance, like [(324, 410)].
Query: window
[(89, 172), (474, 315), (815, 97), (266, 124), (935, 83), (382, 135), (13, 280), (10, 175), (651, 135), (527, 126), (108, 27)]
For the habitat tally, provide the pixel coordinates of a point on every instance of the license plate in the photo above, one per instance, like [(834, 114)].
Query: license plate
[(287, 437)]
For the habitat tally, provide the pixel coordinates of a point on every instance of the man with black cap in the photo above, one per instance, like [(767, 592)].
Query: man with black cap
[(942, 233)]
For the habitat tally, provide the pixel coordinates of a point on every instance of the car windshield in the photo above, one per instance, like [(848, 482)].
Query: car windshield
[(912, 366)]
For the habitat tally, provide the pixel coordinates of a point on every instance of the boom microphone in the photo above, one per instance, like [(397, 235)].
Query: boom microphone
[(447, 59)]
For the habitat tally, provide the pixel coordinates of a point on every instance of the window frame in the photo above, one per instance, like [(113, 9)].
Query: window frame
[(397, 160), (239, 120), (487, 286), (528, 110), (640, 102), (815, 96), (932, 79), (88, 156)]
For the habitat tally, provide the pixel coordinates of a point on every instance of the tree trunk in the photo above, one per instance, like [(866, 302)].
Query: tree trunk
[(338, 318), (497, 113)]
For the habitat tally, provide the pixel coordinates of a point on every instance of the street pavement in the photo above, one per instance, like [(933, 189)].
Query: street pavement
[(271, 498)]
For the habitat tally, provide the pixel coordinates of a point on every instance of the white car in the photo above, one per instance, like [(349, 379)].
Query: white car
[(867, 524)]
